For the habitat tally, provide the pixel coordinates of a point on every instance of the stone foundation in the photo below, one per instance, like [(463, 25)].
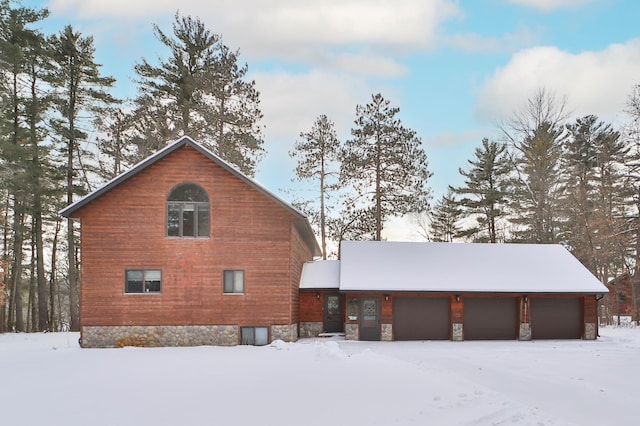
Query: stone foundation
[(590, 331), (525, 331), (160, 335), (457, 332), (386, 332), (351, 332), (286, 333), (310, 329)]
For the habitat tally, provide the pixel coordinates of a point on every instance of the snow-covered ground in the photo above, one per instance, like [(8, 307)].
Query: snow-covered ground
[(46, 379)]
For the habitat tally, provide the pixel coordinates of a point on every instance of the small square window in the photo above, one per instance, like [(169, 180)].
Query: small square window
[(143, 281), (257, 336), (234, 281)]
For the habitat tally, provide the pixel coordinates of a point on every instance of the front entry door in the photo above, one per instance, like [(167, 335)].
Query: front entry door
[(370, 319), (333, 315)]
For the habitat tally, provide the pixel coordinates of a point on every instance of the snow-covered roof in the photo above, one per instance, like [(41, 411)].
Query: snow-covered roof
[(463, 267), (320, 274)]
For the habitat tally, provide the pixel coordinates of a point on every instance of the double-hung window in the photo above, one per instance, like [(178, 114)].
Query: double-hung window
[(188, 212)]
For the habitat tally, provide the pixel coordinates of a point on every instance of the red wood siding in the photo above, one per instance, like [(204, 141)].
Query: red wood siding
[(300, 253), (457, 311), (619, 300), (525, 310), (590, 310), (311, 306), (126, 229)]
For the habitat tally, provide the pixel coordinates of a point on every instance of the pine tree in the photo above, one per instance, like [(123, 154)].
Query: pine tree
[(81, 90), (204, 94), (318, 155), (386, 165), (17, 44), (537, 188), (535, 135), (593, 155), (116, 148), (633, 107), (42, 172), (485, 190), (445, 218)]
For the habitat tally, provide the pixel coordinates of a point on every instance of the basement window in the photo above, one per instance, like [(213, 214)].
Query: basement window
[(143, 281), (257, 336)]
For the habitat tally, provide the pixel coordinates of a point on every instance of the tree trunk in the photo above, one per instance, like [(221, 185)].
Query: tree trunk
[(16, 270), (32, 311), (323, 218), (378, 195), (5, 265), (73, 279), (41, 280), (52, 279), (635, 279), (74, 324)]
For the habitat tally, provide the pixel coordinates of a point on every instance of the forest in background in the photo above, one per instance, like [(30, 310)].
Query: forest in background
[(549, 178)]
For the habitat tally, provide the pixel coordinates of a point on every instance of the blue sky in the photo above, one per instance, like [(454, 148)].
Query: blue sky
[(454, 68)]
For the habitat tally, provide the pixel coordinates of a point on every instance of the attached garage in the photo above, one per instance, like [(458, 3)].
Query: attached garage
[(556, 317), (491, 318), (465, 291), (421, 318)]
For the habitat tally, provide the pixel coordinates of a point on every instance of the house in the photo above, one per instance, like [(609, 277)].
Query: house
[(183, 249), (451, 291), (619, 301)]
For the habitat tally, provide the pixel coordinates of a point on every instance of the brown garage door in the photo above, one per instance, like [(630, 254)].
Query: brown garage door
[(490, 318), (421, 318), (556, 318)]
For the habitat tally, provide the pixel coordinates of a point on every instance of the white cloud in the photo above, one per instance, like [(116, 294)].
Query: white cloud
[(478, 43), (594, 82), (292, 102), (456, 138), (287, 28), (367, 65), (549, 5)]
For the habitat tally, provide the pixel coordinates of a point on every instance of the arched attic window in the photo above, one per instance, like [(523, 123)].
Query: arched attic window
[(188, 212)]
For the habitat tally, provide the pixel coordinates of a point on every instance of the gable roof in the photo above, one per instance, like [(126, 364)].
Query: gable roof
[(463, 267), (303, 225)]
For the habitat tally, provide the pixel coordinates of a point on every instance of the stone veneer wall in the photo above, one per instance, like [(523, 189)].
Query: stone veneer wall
[(590, 331), (351, 332), (525, 331), (386, 332), (457, 332), (163, 335), (310, 329), (286, 333)]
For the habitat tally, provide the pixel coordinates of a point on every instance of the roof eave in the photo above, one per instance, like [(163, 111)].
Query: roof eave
[(141, 166)]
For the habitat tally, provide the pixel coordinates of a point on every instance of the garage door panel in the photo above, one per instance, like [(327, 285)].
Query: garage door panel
[(421, 318), (490, 318), (556, 318)]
